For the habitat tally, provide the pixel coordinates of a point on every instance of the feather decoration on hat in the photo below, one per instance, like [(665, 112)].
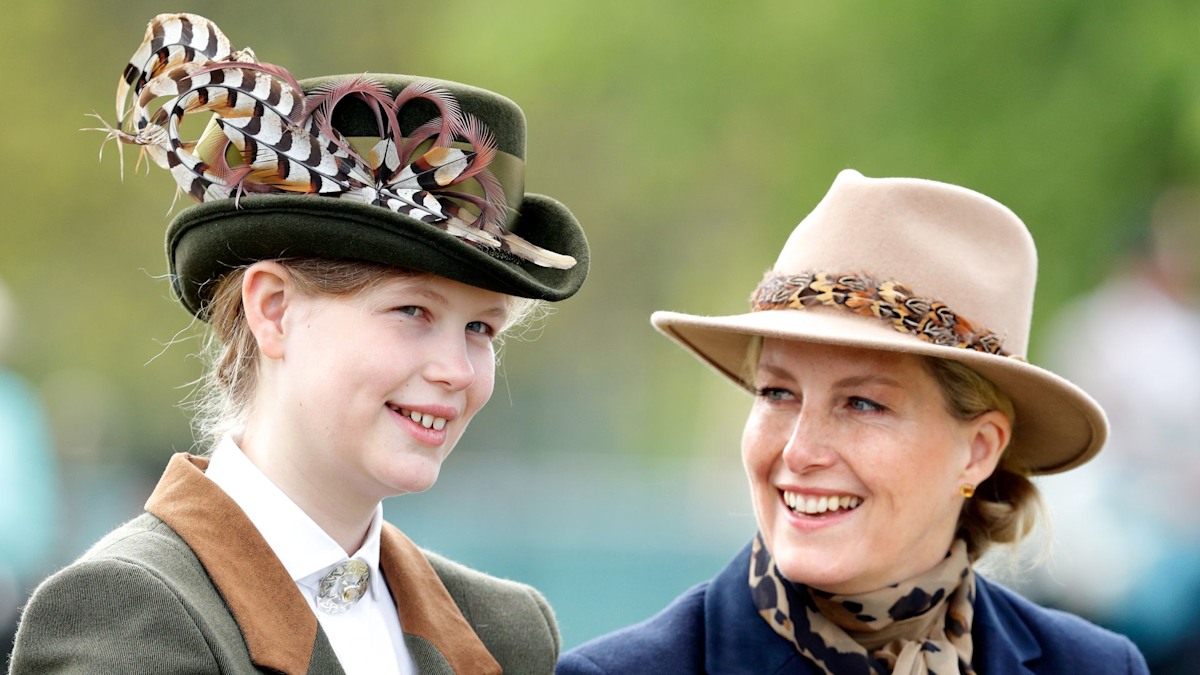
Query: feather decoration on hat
[(283, 141), (925, 318)]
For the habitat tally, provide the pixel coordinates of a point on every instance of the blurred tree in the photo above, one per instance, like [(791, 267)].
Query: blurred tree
[(688, 137)]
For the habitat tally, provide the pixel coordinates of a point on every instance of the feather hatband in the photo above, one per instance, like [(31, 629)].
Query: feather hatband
[(269, 136), (925, 318)]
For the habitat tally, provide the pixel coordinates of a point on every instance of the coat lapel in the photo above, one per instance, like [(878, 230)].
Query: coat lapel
[(1000, 637), (281, 631), (426, 609), (737, 639), (324, 659)]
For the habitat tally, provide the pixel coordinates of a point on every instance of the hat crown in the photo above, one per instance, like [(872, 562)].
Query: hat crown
[(953, 274), (353, 117), (944, 242), (404, 171)]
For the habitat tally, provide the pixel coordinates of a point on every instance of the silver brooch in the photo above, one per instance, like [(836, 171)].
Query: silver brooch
[(345, 584)]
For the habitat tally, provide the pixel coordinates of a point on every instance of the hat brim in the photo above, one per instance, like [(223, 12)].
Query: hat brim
[(1058, 426), (207, 240)]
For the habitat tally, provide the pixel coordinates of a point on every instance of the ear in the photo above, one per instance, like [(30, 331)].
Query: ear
[(989, 436), (266, 289)]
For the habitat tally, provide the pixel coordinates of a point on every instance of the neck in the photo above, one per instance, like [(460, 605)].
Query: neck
[(344, 514)]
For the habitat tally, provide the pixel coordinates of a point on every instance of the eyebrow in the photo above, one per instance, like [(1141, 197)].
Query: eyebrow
[(495, 311), (431, 295), (851, 381), (775, 371), (872, 378)]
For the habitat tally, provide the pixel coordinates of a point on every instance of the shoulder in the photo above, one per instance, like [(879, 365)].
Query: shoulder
[(145, 548), (144, 538), (512, 619), (477, 593), (135, 586), (148, 547), (1067, 643), (671, 641)]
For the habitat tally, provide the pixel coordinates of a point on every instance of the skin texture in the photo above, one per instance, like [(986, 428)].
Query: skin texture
[(838, 421), (333, 369)]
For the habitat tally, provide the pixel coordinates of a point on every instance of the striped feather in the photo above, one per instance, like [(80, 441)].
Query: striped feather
[(286, 142), (172, 32)]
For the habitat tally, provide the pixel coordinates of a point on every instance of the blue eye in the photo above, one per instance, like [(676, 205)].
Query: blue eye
[(775, 394), (411, 310), (481, 328), (864, 405)]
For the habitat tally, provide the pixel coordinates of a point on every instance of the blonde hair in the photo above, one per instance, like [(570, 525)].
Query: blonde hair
[(1006, 505), (230, 350)]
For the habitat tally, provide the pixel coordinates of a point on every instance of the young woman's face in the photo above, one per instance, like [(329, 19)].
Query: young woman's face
[(378, 387), (855, 465)]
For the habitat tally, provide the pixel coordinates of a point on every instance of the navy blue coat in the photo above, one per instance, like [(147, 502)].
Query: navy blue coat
[(715, 628)]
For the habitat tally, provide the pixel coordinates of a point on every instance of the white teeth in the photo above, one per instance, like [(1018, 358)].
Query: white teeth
[(425, 420), (816, 505)]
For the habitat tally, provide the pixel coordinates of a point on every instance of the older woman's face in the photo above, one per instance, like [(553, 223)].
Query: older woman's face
[(855, 464)]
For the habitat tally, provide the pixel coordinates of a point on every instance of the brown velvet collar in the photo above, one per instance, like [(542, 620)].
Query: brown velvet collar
[(279, 627)]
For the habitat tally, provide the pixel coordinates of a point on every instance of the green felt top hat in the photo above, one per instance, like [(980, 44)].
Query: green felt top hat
[(421, 174)]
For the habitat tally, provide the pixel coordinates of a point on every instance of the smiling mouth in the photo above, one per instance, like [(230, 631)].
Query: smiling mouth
[(816, 506), (425, 420)]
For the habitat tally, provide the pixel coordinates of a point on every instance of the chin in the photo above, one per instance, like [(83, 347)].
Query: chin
[(810, 573), (409, 479), (817, 567)]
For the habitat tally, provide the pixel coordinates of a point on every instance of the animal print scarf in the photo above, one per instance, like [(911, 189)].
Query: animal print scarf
[(921, 626)]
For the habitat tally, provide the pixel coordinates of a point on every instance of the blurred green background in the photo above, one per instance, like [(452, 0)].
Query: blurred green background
[(688, 137)]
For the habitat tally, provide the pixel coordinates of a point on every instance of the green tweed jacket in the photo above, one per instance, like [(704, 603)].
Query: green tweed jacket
[(191, 586)]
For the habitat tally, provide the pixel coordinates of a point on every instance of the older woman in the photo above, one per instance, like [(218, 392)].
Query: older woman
[(356, 258), (894, 429)]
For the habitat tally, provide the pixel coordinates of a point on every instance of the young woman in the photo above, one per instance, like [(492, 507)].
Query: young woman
[(894, 428), (355, 255)]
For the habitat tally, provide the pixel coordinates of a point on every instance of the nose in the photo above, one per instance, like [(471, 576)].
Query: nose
[(809, 445), (450, 364)]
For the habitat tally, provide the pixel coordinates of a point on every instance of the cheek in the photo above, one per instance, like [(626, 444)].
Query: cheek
[(759, 449), (922, 475), (485, 381)]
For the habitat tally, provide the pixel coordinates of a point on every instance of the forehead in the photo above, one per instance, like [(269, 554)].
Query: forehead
[(795, 358)]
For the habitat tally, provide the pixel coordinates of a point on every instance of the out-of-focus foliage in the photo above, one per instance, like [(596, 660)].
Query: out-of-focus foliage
[(688, 137)]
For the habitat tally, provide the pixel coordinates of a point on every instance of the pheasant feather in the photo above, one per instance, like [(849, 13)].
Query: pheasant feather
[(268, 137)]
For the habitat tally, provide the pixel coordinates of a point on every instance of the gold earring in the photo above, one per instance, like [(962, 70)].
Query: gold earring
[(967, 490)]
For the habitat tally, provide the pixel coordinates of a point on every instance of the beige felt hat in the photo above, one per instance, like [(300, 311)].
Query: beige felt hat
[(915, 266)]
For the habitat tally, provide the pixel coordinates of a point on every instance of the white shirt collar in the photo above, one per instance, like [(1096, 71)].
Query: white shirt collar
[(358, 636), (305, 550)]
